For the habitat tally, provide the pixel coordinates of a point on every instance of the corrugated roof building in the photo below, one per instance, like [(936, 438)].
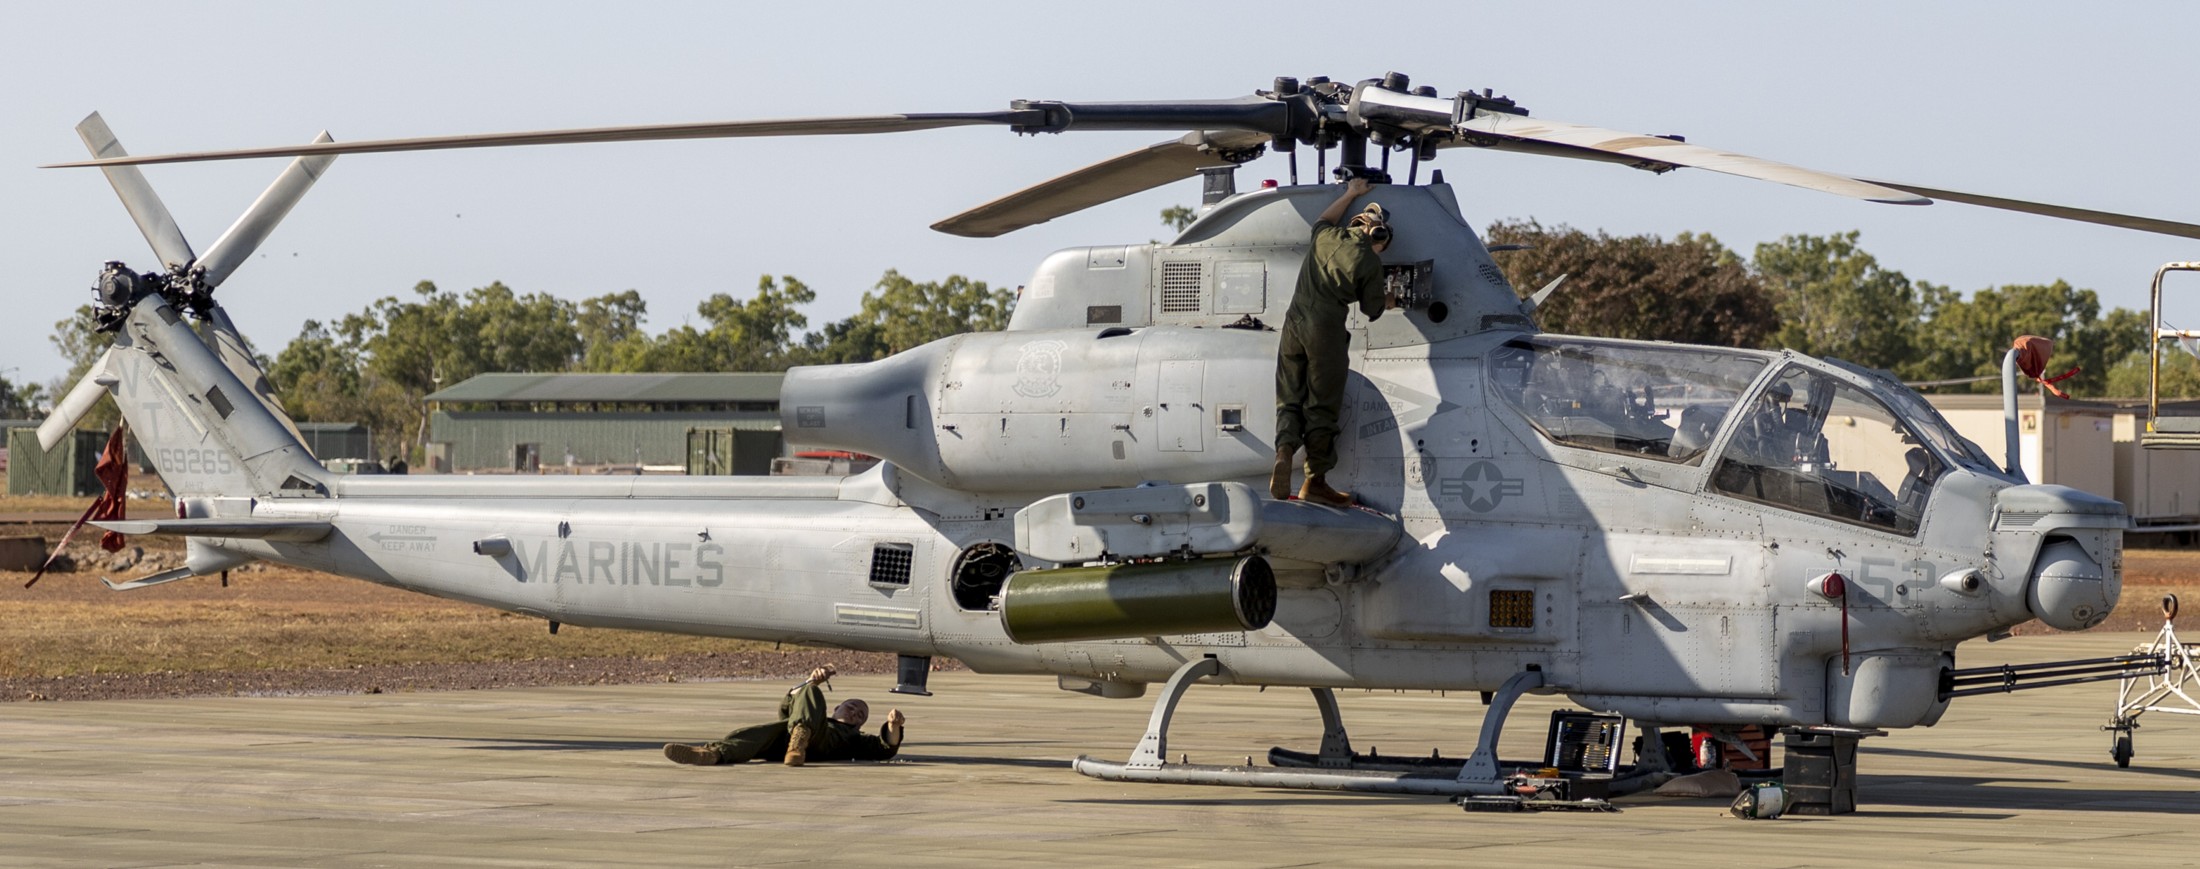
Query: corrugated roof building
[(551, 422)]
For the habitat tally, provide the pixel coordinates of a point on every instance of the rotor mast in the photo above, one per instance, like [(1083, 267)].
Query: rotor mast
[(1386, 112)]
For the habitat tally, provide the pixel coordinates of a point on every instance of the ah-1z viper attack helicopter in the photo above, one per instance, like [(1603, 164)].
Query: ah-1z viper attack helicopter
[(1674, 534)]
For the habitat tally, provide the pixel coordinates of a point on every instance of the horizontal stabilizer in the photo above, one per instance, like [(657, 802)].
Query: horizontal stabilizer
[(155, 579), (286, 530)]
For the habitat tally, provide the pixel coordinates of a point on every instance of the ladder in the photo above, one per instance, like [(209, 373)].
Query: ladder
[(2167, 432)]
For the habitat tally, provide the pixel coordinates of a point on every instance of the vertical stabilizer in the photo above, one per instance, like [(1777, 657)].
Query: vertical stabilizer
[(204, 429)]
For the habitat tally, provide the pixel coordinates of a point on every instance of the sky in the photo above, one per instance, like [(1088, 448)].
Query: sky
[(2087, 106)]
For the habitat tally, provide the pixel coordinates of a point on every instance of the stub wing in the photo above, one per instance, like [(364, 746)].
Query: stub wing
[(1198, 519)]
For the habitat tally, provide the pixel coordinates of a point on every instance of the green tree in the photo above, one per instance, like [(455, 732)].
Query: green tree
[(1968, 337), (752, 335), (610, 326), (1835, 300), (378, 365), (850, 340), (1177, 217), (21, 400), (317, 377), (1690, 289), (442, 337), (2128, 377), (899, 314), (910, 314)]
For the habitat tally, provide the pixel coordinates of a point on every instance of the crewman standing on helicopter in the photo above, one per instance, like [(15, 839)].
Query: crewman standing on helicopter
[(1343, 268)]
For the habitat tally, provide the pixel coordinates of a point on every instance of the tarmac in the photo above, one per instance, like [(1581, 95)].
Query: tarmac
[(575, 776)]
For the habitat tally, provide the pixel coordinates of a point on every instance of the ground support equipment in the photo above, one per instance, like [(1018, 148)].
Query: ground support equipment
[(2169, 689)]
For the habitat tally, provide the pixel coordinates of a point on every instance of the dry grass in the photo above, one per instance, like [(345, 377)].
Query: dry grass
[(158, 505), (282, 619)]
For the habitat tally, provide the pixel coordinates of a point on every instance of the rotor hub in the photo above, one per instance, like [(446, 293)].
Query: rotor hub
[(119, 288)]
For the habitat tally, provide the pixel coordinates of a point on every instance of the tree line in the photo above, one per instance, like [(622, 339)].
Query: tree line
[(378, 365), (1821, 295), (1826, 296)]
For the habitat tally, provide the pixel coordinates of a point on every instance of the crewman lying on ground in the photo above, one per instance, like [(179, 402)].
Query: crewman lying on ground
[(804, 732)]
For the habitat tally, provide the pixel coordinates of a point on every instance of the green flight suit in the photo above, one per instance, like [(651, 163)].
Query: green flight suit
[(1341, 270), (831, 740)]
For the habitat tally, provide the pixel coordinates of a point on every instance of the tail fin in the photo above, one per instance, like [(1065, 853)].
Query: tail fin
[(199, 405), (205, 430)]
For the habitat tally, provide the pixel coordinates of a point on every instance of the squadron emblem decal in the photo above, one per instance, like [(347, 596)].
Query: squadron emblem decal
[(1387, 416), (1482, 486), (1039, 369)]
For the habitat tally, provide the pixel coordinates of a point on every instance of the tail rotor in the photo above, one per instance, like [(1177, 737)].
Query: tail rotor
[(186, 280)]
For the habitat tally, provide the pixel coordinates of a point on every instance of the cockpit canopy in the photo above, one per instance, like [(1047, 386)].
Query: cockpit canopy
[(1659, 402), (1815, 439)]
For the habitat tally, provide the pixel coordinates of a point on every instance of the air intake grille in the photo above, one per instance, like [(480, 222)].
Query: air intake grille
[(1180, 284), (890, 564)]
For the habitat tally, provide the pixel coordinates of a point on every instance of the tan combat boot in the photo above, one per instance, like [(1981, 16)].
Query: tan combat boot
[(798, 745), (1279, 480), (1317, 490), (693, 755)]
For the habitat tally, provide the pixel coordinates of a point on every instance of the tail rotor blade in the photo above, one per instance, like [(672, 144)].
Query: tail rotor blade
[(250, 230), (78, 402), (228, 345), (145, 207)]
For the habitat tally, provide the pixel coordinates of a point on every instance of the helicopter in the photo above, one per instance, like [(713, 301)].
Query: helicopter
[(1666, 534)]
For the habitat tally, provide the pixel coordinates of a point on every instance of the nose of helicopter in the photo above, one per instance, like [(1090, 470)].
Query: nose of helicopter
[(2077, 540)]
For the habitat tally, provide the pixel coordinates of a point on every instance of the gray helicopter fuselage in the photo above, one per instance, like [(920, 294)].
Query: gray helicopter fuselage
[(1608, 512)]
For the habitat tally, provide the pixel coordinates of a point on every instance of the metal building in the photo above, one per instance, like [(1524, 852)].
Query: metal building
[(589, 423), (65, 470), (337, 440), (2088, 445)]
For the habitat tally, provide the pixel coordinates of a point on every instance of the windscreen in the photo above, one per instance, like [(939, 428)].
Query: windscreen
[(1659, 402), (1816, 444)]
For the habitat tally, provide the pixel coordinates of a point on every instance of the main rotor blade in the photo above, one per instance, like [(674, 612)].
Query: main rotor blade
[(1558, 138), (2082, 215), (835, 126), (253, 226), (145, 206), (1105, 181)]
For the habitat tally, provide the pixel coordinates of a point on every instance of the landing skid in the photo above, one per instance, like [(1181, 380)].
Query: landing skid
[(1337, 768)]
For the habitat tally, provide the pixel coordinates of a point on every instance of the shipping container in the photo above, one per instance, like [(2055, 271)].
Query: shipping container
[(723, 451), (2061, 441), (66, 470)]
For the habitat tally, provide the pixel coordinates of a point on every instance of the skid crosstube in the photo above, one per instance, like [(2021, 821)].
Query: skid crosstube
[(1337, 768)]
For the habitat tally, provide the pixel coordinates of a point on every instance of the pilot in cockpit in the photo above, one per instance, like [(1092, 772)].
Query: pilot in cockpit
[(1777, 435)]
